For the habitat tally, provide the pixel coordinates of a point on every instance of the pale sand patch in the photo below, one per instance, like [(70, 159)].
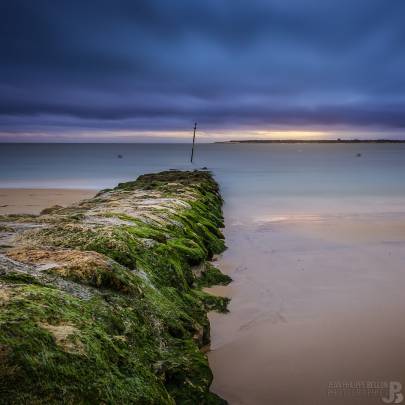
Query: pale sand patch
[(221, 290), (5, 294), (62, 334), (33, 201)]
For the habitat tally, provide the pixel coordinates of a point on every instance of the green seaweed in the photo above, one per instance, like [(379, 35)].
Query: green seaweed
[(137, 339), (214, 302), (19, 278), (211, 276)]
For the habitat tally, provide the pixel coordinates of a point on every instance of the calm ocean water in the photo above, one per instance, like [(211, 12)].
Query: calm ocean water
[(287, 176)]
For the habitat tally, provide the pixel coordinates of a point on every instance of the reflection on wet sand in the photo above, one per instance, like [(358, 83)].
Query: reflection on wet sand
[(316, 299)]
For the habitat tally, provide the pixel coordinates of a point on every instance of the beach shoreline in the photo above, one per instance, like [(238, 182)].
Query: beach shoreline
[(34, 200)]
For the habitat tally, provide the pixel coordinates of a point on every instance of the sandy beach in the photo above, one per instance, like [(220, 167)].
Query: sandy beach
[(34, 200), (317, 301)]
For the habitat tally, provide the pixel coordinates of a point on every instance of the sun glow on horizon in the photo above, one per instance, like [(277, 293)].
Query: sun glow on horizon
[(203, 135), (290, 134)]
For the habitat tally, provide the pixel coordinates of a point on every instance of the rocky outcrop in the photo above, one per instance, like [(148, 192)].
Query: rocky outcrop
[(101, 302)]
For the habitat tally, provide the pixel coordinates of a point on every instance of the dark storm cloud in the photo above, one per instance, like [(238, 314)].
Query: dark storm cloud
[(161, 64)]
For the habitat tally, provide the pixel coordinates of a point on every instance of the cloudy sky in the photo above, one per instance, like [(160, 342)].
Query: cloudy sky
[(128, 70)]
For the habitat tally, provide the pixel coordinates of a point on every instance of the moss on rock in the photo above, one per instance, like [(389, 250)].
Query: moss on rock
[(136, 333), (211, 275)]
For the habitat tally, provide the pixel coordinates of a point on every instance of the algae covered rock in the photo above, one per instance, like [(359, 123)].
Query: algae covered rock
[(100, 301)]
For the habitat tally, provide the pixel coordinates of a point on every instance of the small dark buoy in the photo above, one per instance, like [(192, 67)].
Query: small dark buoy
[(119, 156), (358, 155)]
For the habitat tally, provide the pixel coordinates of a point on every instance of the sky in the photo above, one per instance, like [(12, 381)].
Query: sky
[(132, 70)]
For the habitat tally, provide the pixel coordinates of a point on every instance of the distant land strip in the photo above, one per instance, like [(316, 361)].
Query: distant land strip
[(316, 141)]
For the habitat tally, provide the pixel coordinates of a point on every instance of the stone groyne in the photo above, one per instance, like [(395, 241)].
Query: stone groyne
[(102, 301)]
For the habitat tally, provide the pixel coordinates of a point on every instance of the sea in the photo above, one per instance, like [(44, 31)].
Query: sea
[(256, 171)]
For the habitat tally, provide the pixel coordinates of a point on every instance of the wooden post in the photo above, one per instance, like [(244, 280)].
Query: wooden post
[(192, 149)]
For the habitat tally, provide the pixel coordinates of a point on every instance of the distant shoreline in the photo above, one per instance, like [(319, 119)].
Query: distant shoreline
[(315, 141)]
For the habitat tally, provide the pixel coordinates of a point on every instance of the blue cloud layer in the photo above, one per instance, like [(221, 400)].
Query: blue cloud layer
[(161, 64)]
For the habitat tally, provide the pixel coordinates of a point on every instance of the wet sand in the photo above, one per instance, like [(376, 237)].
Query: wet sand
[(317, 303), (33, 201)]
